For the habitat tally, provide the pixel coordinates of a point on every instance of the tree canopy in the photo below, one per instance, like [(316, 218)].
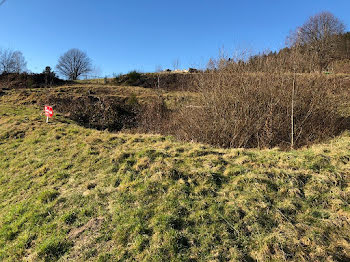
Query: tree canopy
[(12, 61), (73, 64)]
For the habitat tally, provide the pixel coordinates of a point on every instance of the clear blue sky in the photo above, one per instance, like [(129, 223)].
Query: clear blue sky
[(120, 36)]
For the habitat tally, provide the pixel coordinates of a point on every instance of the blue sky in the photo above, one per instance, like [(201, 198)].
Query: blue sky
[(120, 36)]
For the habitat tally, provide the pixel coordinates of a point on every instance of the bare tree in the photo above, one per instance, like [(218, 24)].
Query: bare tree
[(74, 63), (12, 61), (318, 36)]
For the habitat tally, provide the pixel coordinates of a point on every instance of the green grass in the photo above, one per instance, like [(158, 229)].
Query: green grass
[(78, 194)]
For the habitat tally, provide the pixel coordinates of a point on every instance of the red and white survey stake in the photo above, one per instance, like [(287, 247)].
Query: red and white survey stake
[(48, 113)]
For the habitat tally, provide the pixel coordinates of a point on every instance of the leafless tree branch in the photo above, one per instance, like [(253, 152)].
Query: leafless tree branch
[(74, 63)]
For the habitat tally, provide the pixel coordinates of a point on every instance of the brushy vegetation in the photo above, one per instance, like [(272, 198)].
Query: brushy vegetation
[(79, 194), (238, 109), (163, 80), (133, 78), (25, 80)]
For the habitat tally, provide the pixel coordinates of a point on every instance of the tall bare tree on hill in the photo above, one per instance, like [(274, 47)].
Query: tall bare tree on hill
[(73, 64), (318, 35), (12, 61)]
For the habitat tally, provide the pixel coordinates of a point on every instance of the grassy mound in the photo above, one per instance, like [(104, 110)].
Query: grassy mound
[(78, 194)]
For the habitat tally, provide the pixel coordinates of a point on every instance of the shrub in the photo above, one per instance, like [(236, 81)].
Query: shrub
[(132, 78), (239, 109)]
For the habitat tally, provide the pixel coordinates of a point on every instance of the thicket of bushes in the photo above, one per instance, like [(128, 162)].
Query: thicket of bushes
[(260, 110), (168, 81), (240, 108), (133, 78), (25, 80)]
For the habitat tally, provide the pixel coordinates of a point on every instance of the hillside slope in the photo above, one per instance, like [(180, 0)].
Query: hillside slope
[(71, 193)]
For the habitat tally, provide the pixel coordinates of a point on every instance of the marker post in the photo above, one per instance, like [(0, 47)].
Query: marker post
[(48, 113)]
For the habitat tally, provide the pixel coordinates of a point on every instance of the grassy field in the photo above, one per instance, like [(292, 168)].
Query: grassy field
[(71, 193)]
